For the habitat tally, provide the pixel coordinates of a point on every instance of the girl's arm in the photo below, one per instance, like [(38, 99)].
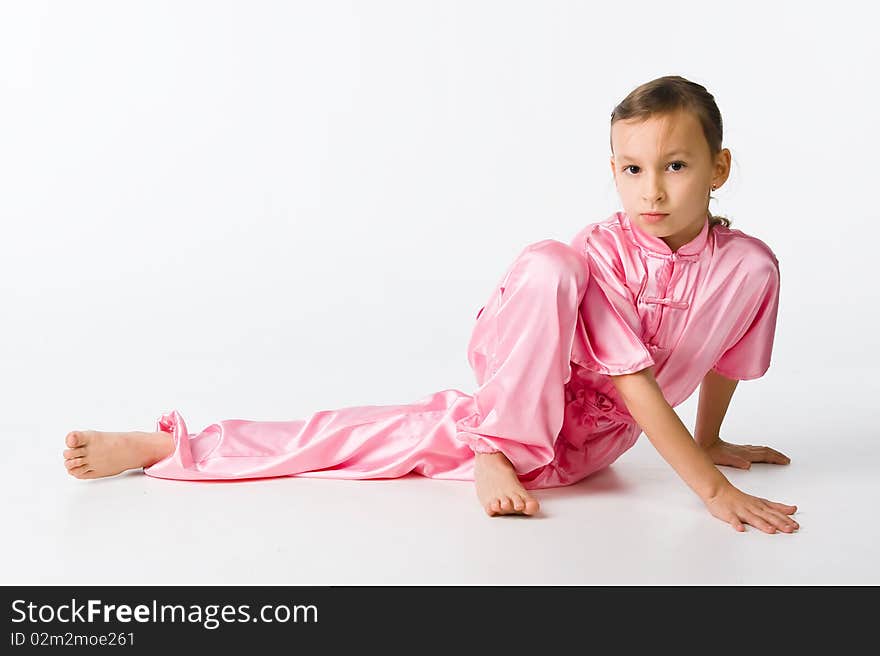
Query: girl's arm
[(647, 405), (715, 394)]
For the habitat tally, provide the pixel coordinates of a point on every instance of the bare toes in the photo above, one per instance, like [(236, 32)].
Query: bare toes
[(74, 463), (74, 439), (531, 506), (78, 471), (74, 453), (518, 503)]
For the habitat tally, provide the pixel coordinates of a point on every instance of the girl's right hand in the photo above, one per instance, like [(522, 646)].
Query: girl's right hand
[(735, 507)]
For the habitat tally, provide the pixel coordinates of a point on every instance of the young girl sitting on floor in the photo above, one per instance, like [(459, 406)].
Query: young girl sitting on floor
[(579, 348)]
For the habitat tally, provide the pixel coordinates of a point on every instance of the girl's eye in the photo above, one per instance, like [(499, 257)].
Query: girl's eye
[(670, 164)]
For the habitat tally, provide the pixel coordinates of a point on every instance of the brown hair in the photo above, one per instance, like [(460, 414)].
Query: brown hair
[(667, 95)]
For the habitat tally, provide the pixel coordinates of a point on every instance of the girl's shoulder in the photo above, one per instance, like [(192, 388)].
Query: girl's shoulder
[(733, 243)]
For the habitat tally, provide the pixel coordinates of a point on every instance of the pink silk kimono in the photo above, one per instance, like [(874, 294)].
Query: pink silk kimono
[(562, 319)]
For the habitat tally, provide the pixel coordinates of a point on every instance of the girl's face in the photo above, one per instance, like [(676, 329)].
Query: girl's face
[(663, 164)]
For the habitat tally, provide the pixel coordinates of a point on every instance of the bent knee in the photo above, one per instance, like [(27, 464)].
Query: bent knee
[(556, 260)]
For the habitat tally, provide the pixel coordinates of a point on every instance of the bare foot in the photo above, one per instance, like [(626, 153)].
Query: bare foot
[(93, 454), (498, 488)]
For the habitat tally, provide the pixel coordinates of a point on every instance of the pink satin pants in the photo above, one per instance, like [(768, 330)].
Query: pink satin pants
[(555, 427)]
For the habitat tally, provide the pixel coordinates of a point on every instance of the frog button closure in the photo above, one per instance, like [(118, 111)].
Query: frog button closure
[(678, 305)]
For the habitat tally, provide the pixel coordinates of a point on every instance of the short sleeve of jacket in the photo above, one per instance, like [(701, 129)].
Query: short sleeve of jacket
[(749, 357), (607, 336)]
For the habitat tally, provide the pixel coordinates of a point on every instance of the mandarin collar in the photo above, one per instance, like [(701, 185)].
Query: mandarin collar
[(655, 246)]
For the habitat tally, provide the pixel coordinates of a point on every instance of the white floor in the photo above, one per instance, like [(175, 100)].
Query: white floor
[(634, 523)]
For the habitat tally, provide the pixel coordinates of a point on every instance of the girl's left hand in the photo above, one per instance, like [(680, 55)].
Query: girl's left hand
[(742, 457)]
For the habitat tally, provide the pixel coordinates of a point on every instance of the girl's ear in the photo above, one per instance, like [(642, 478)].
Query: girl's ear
[(723, 166)]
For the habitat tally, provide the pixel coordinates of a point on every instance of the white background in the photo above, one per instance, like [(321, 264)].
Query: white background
[(262, 209)]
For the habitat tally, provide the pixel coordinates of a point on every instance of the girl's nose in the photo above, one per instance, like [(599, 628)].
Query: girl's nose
[(652, 190)]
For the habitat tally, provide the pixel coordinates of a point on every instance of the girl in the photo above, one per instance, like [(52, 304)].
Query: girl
[(579, 348)]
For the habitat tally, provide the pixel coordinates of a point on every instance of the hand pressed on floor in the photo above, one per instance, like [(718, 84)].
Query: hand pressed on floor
[(742, 456), (737, 508)]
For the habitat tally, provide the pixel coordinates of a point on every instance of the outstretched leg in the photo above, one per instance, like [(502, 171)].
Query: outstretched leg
[(93, 454), (504, 437)]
